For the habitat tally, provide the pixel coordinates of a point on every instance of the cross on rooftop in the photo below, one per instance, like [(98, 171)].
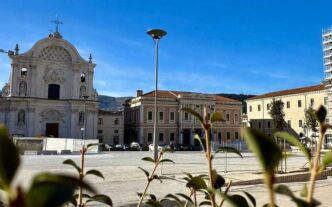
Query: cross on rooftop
[(57, 22)]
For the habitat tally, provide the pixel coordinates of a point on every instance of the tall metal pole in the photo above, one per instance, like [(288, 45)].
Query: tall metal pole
[(156, 35)]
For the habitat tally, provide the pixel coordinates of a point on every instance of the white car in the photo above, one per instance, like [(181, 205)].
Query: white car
[(151, 147)]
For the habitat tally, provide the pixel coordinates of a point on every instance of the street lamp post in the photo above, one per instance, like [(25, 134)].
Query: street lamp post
[(85, 117), (156, 35)]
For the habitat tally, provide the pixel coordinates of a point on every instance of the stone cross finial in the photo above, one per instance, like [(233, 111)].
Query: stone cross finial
[(90, 58), (17, 49), (57, 22)]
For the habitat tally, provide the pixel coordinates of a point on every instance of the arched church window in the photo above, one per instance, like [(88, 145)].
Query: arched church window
[(22, 89), (82, 91), (24, 72), (83, 77), (21, 118), (81, 118), (54, 91)]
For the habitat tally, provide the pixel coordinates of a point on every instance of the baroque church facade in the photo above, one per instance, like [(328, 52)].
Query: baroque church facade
[(50, 92)]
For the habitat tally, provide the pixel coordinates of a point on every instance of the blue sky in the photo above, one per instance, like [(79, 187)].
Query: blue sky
[(212, 46)]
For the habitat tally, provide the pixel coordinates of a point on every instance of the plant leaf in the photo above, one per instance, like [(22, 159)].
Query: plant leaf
[(288, 137), (186, 197), (205, 203), (327, 159), (251, 198), (176, 199), (194, 113), (146, 172), (53, 190), (200, 142), (321, 114), (154, 203), (237, 201), (72, 163), (157, 177), (148, 159), (153, 197), (167, 160), (96, 173), (217, 180), (227, 149), (101, 198), (304, 191), (9, 158), (197, 183), (216, 116), (266, 150)]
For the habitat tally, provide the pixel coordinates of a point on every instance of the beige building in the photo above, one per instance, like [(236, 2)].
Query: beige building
[(110, 127), (179, 127), (296, 102)]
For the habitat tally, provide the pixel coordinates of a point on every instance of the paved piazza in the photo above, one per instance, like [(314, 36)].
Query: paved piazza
[(124, 179)]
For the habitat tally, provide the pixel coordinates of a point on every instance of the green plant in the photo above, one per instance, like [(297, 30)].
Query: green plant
[(214, 180), (153, 176), (101, 198), (51, 190), (269, 155)]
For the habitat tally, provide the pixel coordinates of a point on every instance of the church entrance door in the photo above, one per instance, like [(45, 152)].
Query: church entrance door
[(52, 129)]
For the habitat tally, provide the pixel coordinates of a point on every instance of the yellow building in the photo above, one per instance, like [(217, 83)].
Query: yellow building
[(296, 102)]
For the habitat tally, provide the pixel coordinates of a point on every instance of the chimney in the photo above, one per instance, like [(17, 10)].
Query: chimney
[(139, 93)]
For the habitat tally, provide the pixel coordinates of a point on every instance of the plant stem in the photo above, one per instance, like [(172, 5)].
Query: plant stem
[(191, 193), (269, 179), (209, 159), (226, 191), (315, 167), (150, 179), (80, 195)]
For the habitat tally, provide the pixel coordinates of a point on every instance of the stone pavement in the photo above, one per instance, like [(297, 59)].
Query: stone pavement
[(123, 179)]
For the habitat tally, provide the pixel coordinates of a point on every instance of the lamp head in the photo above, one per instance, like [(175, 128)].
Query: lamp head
[(156, 33)]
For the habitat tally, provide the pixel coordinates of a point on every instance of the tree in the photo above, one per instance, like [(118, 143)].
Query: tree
[(277, 114), (310, 119)]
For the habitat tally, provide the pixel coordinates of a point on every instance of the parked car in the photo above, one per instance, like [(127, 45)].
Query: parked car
[(145, 148), (109, 147), (119, 147), (134, 146), (125, 147), (151, 147)]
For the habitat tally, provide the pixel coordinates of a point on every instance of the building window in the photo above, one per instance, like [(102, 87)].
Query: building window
[(21, 118), (83, 77), (250, 108), (288, 104), (161, 137), (236, 117), (259, 125), (268, 124), (227, 117), (171, 137), (81, 118), (161, 116), (325, 100), (300, 123), (100, 131), (172, 116), (137, 116), (116, 131), (150, 117), (219, 137), (116, 121), (289, 123), (150, 137), (82, 91), (236, 134), (267, 106), (259, 107), (299, 103), (312, 102), (186, 116), (22, 89), (228, 135), (24, 72), (53, 91), (100, 121)]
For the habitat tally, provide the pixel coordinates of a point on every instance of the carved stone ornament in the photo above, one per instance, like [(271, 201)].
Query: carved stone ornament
[(54, 75), (6, 90), (51, 115)]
